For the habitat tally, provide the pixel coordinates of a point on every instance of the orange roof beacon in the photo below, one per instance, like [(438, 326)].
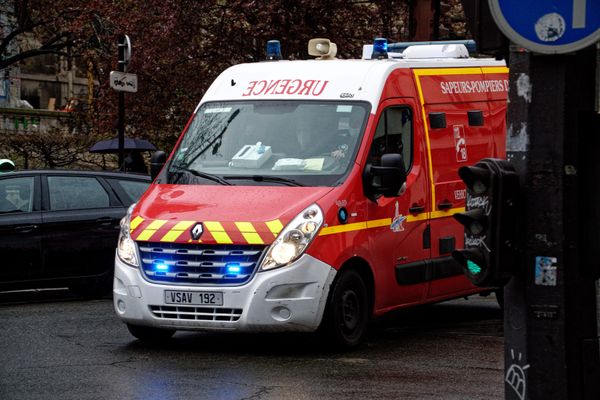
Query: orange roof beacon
[(313, 195)]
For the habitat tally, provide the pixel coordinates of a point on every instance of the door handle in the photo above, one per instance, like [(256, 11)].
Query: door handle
[(26, 228), (444, 205), (105, 221), (416, 209)]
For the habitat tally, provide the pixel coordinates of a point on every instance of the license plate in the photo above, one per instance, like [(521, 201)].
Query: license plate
[(194, 298)]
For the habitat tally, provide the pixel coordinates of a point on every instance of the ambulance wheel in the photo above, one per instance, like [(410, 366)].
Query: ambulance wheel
[(347, 313), (148, 334)]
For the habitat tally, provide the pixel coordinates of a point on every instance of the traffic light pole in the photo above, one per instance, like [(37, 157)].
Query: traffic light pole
[(550, 317)]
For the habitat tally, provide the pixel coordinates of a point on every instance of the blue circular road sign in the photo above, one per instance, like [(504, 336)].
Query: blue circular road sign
[(549, 26)]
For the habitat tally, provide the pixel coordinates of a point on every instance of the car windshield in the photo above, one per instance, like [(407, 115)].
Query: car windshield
[(300, 143)]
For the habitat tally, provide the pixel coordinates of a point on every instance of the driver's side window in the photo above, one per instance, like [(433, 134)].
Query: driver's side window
[(393, 135)]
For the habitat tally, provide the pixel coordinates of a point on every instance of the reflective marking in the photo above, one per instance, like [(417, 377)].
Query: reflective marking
[(274, 226), (151, 229), (357, 226), (418, 217), (176, 231), (377, 223), (218, 232), (461, 71), (418, 74), (447, 213), (249, 233), (135, 223)]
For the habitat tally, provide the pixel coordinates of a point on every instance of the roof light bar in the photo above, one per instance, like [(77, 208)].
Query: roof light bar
[(401, 46)]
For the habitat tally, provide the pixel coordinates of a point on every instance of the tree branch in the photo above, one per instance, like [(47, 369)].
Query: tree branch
[(7, 62)]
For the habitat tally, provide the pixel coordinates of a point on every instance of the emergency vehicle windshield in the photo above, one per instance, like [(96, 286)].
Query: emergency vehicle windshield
[(304, 143)]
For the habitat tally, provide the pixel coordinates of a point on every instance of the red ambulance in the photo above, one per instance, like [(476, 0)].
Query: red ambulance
[(313, 195)]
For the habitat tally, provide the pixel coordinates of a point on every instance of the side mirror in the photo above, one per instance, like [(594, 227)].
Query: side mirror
[(157, 162), (387, 179)]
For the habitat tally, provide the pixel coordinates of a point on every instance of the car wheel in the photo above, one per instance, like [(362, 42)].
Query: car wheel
[(149, 334), (346, 314)]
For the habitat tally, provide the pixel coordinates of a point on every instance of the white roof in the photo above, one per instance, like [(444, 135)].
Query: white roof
[(321, 79)]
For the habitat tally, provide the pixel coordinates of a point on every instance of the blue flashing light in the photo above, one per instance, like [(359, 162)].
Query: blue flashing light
[(273, 50), (233, 268), (380, 49), (161, 267)]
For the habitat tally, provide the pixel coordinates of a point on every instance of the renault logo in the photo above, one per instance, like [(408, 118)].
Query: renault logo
[(197, 231)]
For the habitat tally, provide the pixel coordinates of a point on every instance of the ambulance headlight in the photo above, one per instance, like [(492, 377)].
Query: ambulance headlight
[(126, 248), (294, 238)]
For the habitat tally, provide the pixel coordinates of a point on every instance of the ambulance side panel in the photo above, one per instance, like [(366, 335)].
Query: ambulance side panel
[(465, 110)]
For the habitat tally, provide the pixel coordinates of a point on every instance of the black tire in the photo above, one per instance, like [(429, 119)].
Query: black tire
[(149, 334), (347, 312)]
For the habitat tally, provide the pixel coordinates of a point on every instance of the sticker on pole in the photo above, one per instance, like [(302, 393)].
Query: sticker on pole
[(123, 82), (549, 26)]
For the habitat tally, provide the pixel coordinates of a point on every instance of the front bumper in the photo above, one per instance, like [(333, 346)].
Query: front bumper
[(290, 298)]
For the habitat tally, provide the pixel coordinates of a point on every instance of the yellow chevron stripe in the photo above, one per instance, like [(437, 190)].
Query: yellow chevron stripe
[(274, 226), (221, 237), (249, 233), (151, 229), (214, 226), (218, 232), (252, 238), (135, 223), (176, 231)]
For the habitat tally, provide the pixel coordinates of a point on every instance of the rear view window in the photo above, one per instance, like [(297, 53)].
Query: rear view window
[(72, 193), (134, 190), (16, 195)]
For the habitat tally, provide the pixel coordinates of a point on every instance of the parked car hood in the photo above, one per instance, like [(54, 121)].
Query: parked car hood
[(229, 214)]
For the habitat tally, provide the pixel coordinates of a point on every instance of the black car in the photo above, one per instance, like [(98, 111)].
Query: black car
[(60, 228)]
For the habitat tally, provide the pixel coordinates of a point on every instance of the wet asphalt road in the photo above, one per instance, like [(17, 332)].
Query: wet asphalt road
[(54, 346)]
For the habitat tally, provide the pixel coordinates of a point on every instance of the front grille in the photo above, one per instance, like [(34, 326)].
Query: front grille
[(199, 264), (196, 313)]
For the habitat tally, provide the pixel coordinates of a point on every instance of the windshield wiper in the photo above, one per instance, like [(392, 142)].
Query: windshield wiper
[(265, 178), (204, 175)]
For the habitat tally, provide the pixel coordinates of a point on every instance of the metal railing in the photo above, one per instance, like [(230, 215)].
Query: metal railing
[(18, 120)]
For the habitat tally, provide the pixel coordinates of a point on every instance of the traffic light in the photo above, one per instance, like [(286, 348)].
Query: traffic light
[(490, 221)]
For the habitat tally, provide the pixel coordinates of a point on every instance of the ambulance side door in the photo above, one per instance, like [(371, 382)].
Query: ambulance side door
[(461, 142), (399, 237)]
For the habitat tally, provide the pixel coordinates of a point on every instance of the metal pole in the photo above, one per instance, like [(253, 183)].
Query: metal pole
[(122, 68), (550, 327), (121, 129)]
